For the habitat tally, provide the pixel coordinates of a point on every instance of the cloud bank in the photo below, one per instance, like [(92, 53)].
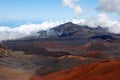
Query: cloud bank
[(102, 20), (7, 33), (73, 5), (112, 6)]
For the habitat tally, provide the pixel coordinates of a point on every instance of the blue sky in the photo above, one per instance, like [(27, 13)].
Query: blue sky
[(33, 9), (43, 9)]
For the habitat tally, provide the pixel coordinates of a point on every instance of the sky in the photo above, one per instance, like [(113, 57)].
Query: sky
[(45, 9), (17, 16)]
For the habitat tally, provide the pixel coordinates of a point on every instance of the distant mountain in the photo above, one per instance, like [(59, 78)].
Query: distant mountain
[(68, 34), (71, 30)]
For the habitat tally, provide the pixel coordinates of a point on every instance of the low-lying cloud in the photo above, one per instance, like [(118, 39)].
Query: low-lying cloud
[(112, 6), (25, 30), (101, 20), (73, 5), (7, 33)]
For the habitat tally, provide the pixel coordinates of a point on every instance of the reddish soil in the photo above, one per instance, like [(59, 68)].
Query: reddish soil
[(94, 54), (102, 70)]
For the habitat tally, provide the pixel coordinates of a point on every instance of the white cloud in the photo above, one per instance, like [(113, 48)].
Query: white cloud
[(30, 29), (25, 30), (110, 6), (101, 20), (73, 5)]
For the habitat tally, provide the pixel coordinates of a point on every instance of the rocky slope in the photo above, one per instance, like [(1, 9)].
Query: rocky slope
[(103, 70)]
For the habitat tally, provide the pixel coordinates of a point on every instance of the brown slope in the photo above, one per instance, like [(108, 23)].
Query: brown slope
[(104, 70), (7, 73), (95, 54), (2, 47), (3, 51)]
